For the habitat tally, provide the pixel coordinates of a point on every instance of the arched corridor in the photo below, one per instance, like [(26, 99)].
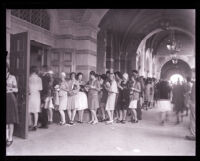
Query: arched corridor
[(110, 60)]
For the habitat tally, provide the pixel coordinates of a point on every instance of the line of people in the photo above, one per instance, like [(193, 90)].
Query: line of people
[(108, 97)]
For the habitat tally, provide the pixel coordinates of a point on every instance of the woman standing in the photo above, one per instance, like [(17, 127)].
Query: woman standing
[(63, 97), (178, 100), (112, 92), (35, 86), (93, 87), (73, 91), (104, 96), (11, 106), (135, 89), (123, 101), (149, 93), (81, 98), (118, 78), (163, 100)]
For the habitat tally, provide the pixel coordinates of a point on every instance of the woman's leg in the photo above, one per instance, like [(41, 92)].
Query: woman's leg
[(92, 116), (134, 114), (177, 117), (35, 119), (50, 115), (109, 115), (120, 115), (62, 116), (163, 116), (95, 116), (30, 122), (124, 115), (73, 114), (69, 114), (10, 132), (103, 112), (81, 115), (112, 114)]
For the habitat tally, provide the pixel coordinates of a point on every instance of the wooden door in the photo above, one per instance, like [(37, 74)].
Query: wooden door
[(19, 66)]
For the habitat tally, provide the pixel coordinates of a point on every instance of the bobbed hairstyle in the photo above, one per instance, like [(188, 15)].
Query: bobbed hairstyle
[(34, 69), (93, 73), (119, 74), (72, 74)]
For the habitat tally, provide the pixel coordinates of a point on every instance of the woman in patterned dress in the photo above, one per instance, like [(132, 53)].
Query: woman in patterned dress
[(73, 91), (93, 87), (11, 106), (104, 96), (81, 98), (63, 97)]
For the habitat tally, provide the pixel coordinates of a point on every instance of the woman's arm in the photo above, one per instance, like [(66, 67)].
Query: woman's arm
[(97, 86)]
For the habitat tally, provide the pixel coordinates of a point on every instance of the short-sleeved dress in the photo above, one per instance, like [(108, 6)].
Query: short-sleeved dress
[(93, 95), (123, 96), (134, 95), (63, 95), (12, 115), (81, 102), (110, 104), (74, 89), (35, 86)]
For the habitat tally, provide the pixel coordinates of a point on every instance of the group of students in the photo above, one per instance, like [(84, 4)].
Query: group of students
[(106, 96), (111, 96)]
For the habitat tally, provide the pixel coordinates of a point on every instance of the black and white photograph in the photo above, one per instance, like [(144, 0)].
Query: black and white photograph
[(100, 82)]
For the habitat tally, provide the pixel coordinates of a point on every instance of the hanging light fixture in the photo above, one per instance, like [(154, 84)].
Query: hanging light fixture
[(173, 46)]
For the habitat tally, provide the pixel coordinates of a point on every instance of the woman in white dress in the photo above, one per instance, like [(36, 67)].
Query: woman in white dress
[(73, 91), (81, 98), (63, 97), (112, 92), (35, 86)]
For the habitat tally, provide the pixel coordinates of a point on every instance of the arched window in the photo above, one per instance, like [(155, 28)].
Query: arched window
[(38, 17)]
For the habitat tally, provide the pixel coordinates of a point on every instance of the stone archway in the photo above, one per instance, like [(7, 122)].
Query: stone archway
[(141, 51), (169, 69)]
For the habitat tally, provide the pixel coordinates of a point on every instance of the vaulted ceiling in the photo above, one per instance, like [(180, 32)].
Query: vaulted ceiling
[(132, 25)]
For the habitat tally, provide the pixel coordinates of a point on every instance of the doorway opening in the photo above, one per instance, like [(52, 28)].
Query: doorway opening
[(38, 54), (175, 78)]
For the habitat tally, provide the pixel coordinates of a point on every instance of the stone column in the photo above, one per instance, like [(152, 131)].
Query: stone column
[(101, 52), (109, 53)]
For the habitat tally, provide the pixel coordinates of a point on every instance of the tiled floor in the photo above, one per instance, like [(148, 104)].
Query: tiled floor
[(145, 138)]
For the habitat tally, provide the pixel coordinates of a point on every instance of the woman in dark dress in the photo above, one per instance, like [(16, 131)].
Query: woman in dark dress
[(123, 99), (11, 106), (178, 100)]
